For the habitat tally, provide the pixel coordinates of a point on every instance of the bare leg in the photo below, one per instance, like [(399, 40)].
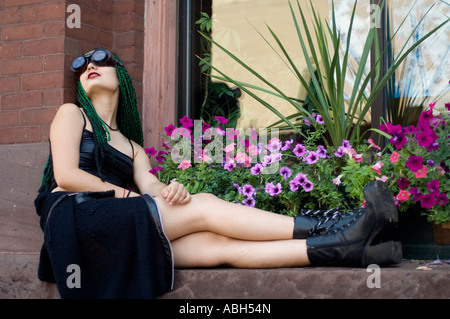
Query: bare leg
[(207, 249), (206, 212)]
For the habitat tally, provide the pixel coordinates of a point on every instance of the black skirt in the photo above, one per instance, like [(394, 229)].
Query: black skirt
[(99, 246)]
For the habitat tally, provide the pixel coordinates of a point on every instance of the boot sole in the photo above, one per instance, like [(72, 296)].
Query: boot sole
[(384, 254)]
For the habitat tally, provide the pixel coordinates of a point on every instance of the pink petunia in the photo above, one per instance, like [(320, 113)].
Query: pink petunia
[(421, 173), (185, 165), (377, 167), (403, 195), (394, 157)]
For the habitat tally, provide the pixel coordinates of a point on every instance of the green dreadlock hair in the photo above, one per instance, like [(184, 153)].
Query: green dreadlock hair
[(128, 121)]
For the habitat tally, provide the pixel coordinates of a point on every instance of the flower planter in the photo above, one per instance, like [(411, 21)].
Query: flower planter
[(421, 239), (442, 234)]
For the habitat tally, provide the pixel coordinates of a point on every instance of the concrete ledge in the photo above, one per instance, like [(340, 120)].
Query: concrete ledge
[(18, 280)]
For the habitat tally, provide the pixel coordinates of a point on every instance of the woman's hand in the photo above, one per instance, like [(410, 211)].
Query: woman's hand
[(176, 193)]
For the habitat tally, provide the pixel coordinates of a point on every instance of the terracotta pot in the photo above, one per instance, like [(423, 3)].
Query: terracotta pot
[(442, 234)]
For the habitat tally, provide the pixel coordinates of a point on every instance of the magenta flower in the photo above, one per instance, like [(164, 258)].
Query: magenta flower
[(169, 129), (398, 138), (186, 122), (205, 127), (433, 186), (403, 182), (221, 119), (414, 163), (150, 151), (154, 170), (273, 189), (416, 194), (428, 201), (285, 172), (293, 185), (160, 157)]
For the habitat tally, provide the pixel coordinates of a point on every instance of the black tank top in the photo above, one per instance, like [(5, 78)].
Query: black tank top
[(117, 167)]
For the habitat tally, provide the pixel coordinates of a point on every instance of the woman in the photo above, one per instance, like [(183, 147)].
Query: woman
[(126, 242)]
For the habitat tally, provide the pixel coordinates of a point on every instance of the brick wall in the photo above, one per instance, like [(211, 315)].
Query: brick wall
[(36, 48)]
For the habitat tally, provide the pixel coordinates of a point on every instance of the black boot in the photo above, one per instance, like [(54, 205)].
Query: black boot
[(377, 196), (350, 242)]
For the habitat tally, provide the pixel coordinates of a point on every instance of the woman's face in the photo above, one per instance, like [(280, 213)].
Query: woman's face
[(97, 79)]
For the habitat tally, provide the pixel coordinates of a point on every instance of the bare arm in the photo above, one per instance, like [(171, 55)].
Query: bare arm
[(175, 193), (65, 137)]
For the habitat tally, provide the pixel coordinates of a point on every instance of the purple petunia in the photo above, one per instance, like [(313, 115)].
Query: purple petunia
[(299, 150), (249, 201), (229, 166), (308, 186), (247, 190), (285, 172), (255, 170), (312, 158), (273, 189)]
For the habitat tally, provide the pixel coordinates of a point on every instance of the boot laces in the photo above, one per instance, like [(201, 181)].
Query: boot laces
[(328, 219)]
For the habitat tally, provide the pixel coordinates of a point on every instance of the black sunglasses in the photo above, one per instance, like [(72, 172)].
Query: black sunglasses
[(100, 57)]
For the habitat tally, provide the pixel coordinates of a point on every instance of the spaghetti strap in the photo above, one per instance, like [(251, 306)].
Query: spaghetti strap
[(132, 150), (84, 118)]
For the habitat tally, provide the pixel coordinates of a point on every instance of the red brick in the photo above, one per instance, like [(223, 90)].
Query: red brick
[(22, 100), (9, 119), (44, 12), (23, 31), (20, 135), (54, 28), (10, 50), (15, 3), (43, 47), (10, 16), (37, 116), (53, 97), (42, 81), (54, 62), (21, 66), (9, 84)]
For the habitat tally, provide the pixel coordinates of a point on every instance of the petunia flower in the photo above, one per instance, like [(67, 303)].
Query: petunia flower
[(377, 167), (169, 129), (414, 163), (394, 157), (403, 195), (247, 190), (273, 189), (186, 122), (421, 173), (403, 182), (312, 158), (255, 170), (308, 186), (185, 165), (249, 201), (299, 150), (428, 201), (285, 172), (221, 119), (150, 151)]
